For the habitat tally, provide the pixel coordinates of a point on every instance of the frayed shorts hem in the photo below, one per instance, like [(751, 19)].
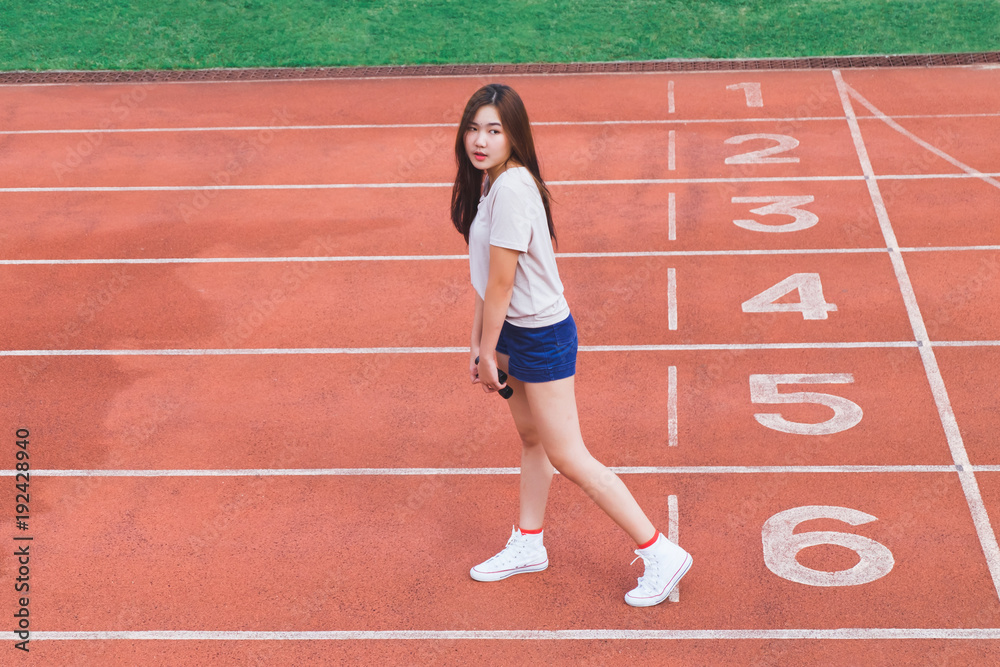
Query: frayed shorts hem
[(537, 355)]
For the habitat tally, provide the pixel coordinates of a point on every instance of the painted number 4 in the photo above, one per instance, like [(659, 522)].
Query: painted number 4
[(811, 303)]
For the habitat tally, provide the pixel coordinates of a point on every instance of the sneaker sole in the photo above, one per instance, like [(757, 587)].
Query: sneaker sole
[(651, 601), (497, 576)]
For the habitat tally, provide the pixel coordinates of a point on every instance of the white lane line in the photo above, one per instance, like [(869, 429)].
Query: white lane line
[(235, 128), (237, 260), (943, 115), (224, 351), (949, 248), (553, 123), (421, 258), (670, 97), (672, 299), (595, 634), (769, 470), (917, 140), (447, 350), (394, 126), (681, 347), (965, 343), (919, 177), (987, 538), (379, 472), (672, 406), (672, 217), (673, 534), (708, 253), (345, 186), (416, 258), (749, 179), (206, 188), (274, 472), (672, 150)]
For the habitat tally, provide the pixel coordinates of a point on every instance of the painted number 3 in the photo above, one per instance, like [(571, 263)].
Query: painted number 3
[(782, 544), (801, 219)]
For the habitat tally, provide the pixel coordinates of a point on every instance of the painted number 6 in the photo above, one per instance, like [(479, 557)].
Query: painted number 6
[(781, 545), (764, 389)]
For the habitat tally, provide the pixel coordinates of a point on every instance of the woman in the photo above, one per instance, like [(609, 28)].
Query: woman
[(523, 326)]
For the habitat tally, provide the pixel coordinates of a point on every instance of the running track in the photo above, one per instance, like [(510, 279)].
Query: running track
[(235, 319)]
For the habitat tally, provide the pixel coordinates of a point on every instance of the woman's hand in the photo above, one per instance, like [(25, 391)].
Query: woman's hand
[(474, 367), (487, 374)]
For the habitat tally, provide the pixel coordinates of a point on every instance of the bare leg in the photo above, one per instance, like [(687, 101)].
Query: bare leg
[(557, 424), (536, 471)]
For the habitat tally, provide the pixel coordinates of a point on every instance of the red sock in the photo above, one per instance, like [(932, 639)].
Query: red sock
[(650, 543), (529, 532)]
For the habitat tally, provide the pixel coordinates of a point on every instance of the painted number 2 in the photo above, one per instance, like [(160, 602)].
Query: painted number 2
[(762, 156), (764, 390), (781, 544)]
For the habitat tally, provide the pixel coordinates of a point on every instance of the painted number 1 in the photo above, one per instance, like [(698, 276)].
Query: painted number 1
[(752, 91)]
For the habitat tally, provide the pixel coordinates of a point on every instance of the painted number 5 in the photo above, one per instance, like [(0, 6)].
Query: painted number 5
[(764, 390), (781, 545)]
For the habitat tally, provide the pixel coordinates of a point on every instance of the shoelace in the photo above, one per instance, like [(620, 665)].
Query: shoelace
[(644, 583), (513, 548)]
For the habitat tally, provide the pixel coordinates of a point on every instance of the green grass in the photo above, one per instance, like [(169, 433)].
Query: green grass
[(181, 34)]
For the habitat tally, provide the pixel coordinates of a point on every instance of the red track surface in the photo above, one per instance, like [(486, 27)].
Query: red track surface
[(320, 485)]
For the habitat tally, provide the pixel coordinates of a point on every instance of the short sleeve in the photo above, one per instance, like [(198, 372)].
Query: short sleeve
[(510, 218)]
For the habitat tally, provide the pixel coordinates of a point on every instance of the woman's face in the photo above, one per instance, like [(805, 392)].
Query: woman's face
[(485, 141)]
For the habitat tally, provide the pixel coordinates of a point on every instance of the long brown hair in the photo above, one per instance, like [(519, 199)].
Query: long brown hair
[(469, 180)]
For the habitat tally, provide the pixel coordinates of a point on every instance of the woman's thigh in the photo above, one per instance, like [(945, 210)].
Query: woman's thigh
[(518, 404), (553, 406)]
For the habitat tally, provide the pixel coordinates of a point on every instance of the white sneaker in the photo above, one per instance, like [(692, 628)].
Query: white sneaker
[(664, 564), (523, 553)]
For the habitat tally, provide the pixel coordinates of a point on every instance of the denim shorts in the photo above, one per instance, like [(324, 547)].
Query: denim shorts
[(540, 355)]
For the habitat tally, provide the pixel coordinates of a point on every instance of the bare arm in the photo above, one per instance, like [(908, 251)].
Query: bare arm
[(499, 288), (477, 334)]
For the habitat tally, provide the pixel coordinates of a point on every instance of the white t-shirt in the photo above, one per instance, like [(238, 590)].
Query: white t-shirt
[(512, 216)]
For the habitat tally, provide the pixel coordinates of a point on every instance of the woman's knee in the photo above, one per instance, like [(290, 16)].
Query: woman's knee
[(573, 468), (529, 437), (582, 469)]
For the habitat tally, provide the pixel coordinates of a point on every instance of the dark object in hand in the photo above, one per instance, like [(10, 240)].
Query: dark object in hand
[(506, 392)]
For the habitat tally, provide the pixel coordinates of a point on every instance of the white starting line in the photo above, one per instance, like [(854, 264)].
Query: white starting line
[(621, 470), (518, 635)]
